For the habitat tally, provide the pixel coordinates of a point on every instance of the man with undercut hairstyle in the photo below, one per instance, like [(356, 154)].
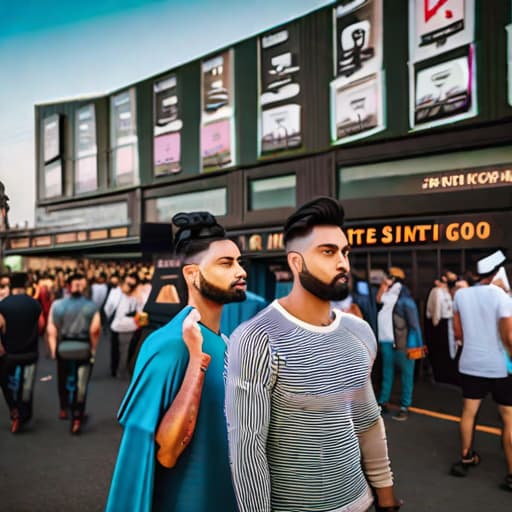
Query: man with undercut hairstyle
[(174, 453), (305, 431)]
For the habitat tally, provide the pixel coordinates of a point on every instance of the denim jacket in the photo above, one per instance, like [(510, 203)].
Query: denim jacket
[(406, 322)]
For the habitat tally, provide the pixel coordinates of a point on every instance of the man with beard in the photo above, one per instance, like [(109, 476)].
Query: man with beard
[(74, 328), (176, 396), (304, 428)]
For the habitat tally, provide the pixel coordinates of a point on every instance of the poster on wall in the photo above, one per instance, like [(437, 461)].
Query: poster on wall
[(357, 91), (358, 108), (280, 91), (217, 112), (167, 127), (124, 138), (437, 26), (51, 138), (357, 40), (443, 93), (86, 171), (53, 179)]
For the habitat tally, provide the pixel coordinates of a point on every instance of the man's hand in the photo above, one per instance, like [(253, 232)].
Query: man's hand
[(192, 334)]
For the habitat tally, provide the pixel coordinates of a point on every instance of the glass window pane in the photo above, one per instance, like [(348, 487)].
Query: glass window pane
[(123, 135), (86, 175), (53, 179), (162, 209), (277, 192)]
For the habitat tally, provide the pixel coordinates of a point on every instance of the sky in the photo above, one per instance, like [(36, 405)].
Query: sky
[(55, 49)]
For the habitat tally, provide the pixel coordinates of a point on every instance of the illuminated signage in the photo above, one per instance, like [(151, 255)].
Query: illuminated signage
[(417, 234), (467, 179), (446, 232), (19, 243)]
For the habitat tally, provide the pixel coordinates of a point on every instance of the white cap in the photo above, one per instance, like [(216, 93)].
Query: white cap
[(490, 263)]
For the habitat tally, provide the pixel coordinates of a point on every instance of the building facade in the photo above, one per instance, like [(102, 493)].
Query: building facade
[(402, 109)]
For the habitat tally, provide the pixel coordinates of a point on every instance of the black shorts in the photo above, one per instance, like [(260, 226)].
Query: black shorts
[(477, 388)]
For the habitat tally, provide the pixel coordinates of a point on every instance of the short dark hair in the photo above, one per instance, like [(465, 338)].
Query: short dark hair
[(19, 280), (132, 275), (75, 276), (321, 211), (196, 231)]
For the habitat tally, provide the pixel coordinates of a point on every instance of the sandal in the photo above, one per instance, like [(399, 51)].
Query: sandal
[(461, 467)]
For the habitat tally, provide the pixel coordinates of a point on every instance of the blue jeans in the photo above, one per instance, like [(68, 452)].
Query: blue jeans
[(390, 358)]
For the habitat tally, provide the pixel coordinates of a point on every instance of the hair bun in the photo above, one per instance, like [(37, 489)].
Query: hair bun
[(196, 226), (194, 220)]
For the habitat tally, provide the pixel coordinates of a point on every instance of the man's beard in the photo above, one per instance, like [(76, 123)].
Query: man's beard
[(220, 296), (335, 290), (76, 295)]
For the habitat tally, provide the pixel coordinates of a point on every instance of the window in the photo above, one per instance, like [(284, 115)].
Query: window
[(123, 136), (276, 192), (86, 169), (51, 138), (162, 209), (53, 179)]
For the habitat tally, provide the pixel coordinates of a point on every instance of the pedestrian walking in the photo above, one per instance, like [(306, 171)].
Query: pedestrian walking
[(305, 432), (124, 309), (400, 339), (19, 315), (176, 396), (74, 328), (482, 322)]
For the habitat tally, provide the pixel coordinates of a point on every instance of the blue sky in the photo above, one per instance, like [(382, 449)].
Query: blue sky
[(52, 49)]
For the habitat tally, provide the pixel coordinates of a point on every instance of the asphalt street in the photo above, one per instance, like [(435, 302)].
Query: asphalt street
[(44, 468)]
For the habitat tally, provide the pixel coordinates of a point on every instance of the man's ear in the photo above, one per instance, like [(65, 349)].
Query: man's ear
[(295, 262), (190, 273)]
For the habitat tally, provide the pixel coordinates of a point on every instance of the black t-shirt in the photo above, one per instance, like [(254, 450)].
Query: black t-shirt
[(21, 314)]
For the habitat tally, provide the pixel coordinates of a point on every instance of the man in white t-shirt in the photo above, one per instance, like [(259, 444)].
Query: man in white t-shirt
[(483, 322)]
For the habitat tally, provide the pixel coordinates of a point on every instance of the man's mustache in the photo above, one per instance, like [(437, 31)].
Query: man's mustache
[(341, 275)]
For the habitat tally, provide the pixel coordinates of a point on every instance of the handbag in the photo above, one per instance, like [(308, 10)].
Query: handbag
[(415, 347), (75, 350), (417, 352)]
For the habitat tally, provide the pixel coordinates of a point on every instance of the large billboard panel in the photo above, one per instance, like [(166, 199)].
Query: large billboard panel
[(280, 91), (167, 127), (217, 112)]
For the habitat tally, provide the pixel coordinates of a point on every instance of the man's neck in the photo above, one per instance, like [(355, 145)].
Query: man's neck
[(210, 311), (307, 307)]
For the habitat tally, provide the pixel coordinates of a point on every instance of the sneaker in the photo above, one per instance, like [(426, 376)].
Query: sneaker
[(507, 484), (461, 467), (401, 415), (15, 425), (15, 421), (63, 414), (76, 425)]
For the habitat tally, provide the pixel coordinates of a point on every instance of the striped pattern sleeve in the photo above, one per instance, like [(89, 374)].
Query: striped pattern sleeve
[(363, 404), (248, 405)]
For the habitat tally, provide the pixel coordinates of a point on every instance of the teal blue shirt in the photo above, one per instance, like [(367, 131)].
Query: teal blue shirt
[(201, 479)]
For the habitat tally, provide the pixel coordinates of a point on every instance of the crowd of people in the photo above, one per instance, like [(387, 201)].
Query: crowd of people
[(67, 308), (293, 384)]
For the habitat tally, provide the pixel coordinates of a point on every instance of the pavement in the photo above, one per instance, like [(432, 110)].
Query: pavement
[(44, 468)]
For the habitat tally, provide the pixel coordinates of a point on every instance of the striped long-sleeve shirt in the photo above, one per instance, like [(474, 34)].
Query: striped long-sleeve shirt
[(297, 396)]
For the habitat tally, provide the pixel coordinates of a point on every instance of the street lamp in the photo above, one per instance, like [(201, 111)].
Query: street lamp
[(4, 222)]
